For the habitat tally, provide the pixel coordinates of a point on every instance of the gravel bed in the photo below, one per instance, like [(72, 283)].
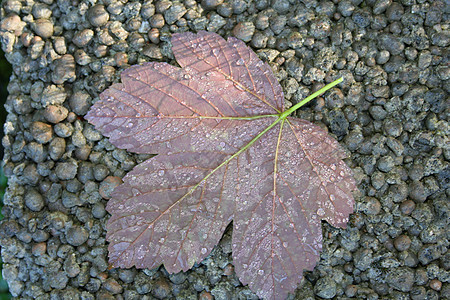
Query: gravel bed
[(391, 113)]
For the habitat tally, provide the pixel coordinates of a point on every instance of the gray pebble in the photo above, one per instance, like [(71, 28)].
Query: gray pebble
[(63, 129), (59, 281), (216, 22), (36, 152), (70, 200), (71, 267), (381, 6), (157, 21), (239, 6), (225, 10), (346, 8), (391, 43), (174, 13), (66, 170), (83, 37), (98, 210), (392, 127), (395, 11), (211, 4), (112, 286), (277, 23), (34, 200), (244, 31), (51, 94), (385, 164), (401, 279), (77, 235), (325, 288), (338, 123), (152, 51), (80, 102), (63, 69), (320, 28), (43, 28)]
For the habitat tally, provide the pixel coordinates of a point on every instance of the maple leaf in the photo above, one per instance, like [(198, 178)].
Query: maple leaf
[(227, 150)]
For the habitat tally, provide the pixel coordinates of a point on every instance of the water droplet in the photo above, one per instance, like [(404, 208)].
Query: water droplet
[(285, 244), (240, 62), (161, 173), (332, 197), (332, 179), (245, 266), (342, 173), (135, 192), (321, 212), (261, 272), (215, 51), (205, 236), (161, 240), (204, 250), (333, 167)]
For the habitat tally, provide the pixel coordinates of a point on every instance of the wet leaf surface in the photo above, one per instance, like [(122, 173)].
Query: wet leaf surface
[(227, 150)]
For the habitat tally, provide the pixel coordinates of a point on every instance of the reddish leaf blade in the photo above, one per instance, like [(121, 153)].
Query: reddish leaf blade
[(206, 122), (300, 179), (158, 97), (232, 59), (156, 220)]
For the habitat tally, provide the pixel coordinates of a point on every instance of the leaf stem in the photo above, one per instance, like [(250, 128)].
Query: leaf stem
[(286, 113)]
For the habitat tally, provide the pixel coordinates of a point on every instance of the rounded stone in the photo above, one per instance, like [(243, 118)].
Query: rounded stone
[(325, 288), (97, 15), (98, 210), (244, 31), (401, 279), (211, 4), (43, 28), (108, 185), (402, 242), (42, 132), (80, 102), (82, 38), (34, 200), (55, 113), (66, 170), (77, 235)]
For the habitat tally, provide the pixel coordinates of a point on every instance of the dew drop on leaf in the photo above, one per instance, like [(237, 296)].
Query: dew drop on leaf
[(204, 250), (260, 272), (320, 212)]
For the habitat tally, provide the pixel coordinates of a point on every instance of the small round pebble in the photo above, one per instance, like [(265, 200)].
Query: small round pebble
[(98, 210), (42, 132), (66, 170), (77, 235), (34, 200), (43, 28), (435, 284), (97, 15), (108, 185), (55, 113), (325, 288), (244, 31), (402, 242)]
